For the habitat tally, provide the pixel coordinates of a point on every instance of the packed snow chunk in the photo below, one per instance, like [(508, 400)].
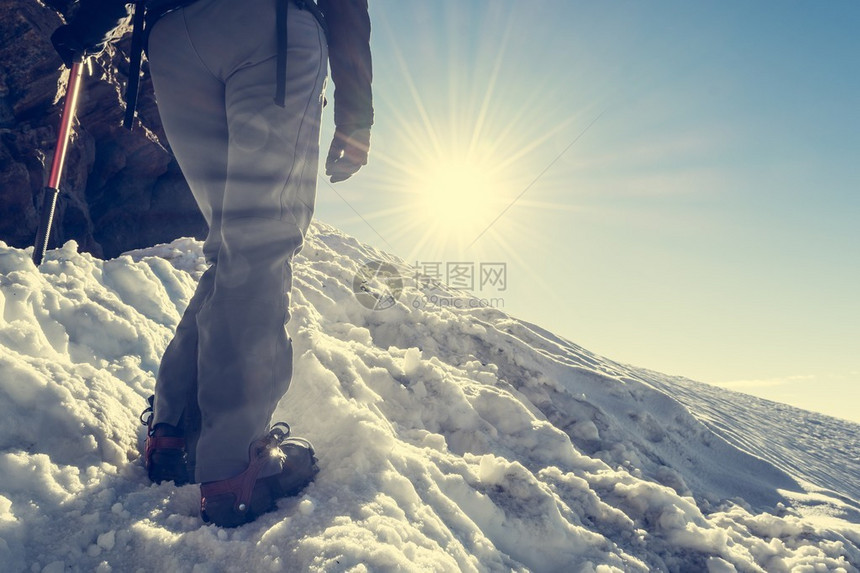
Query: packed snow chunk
[(11, 536), (645, 500), (307, 506), (586, 430), (34, 479), (589, 567), (717, 565), (138, 286), (360, 335), (6, 509), (184, 254), (373, 543), (107, 540), (529, 525), (492, 470), (55, 567), (411, 360)]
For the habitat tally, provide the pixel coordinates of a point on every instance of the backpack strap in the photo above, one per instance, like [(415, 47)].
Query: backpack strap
[(133, 87), (281, 38), (281, 23)]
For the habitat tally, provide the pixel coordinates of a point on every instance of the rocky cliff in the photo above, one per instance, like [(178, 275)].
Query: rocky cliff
[(121, 190)]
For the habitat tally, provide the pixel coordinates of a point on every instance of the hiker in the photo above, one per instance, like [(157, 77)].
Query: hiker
[(245, 131)]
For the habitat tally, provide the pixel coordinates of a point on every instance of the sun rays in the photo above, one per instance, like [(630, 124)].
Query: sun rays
[(463, 149)]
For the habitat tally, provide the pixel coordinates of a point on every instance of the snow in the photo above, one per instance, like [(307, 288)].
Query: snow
[(450, 437)]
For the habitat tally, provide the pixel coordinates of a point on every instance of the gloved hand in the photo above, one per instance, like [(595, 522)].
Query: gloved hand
[(70, 47), (348, 152)]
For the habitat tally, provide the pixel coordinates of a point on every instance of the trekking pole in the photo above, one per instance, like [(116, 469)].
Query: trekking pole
[(53, 189)]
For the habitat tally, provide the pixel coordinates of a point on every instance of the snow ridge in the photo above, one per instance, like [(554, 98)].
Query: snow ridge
[(449, 439)]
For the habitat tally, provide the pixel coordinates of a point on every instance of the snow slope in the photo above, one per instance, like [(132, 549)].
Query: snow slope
[(449, 439)]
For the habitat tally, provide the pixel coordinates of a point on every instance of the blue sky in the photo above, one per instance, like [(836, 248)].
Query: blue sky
[(678, 180)]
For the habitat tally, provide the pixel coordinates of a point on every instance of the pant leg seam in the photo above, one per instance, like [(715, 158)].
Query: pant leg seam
[(301, 127), (194, 48)]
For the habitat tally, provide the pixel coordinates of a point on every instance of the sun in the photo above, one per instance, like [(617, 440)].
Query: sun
[(457, 198), (461, 147)]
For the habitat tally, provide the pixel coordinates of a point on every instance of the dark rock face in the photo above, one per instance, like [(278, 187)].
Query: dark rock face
[(121, 190)]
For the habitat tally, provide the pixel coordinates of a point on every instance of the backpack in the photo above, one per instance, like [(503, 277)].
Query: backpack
[(147, 12)]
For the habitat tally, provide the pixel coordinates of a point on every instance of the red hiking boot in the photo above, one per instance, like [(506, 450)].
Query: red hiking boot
[(243, 498), (164, 454)]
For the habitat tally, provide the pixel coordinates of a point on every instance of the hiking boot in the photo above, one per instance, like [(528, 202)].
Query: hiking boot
[(164, 454), (280, 466)]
